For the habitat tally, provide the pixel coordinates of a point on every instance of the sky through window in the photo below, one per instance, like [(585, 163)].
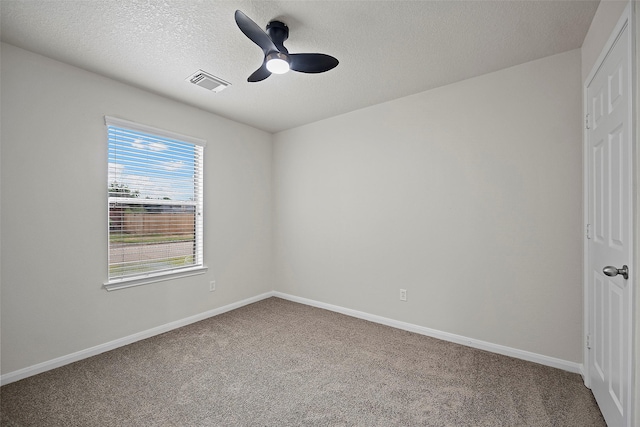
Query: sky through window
[(155, 167)]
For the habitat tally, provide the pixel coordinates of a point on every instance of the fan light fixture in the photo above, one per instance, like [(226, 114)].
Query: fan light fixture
[(277, 63)]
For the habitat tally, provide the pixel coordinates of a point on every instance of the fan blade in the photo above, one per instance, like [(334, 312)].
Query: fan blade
[(259, 74), (255, 33), (312, 62)]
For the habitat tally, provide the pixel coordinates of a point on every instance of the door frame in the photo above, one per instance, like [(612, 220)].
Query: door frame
[(626, 19)]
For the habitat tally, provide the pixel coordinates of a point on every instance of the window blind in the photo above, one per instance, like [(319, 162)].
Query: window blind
[(155, 198)]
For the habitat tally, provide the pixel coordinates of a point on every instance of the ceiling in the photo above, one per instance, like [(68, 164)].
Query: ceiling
[(387, 49)]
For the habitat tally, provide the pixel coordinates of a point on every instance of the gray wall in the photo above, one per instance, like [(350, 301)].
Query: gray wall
[(54, 212), (469, 196), (637, 291)]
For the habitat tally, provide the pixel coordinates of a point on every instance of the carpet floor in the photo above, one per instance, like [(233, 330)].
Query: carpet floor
[(279, 363)]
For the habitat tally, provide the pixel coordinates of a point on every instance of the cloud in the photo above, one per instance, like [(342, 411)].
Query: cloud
[(173, 165), (156, 187), (115, 171), (157, 146), (153, 145)]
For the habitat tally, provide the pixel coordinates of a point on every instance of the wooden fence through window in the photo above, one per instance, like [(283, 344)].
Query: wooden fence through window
[(153, 223)]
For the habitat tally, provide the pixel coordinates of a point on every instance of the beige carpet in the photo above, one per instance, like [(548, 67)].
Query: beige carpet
[(278, 363)]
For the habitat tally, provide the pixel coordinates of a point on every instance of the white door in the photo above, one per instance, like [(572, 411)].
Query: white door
[(610, 217)]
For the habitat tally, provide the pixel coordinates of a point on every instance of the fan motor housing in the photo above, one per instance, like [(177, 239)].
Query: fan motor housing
[(277, 31)]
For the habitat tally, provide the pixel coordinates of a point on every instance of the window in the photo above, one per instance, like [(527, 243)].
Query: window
[(155, 204)]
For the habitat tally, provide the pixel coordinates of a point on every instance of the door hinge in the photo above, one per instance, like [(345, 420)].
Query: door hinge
[(586, 122), (588, 231), (589, 341)]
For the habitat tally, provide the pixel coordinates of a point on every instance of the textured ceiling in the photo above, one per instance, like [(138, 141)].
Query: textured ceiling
[(387, 49)]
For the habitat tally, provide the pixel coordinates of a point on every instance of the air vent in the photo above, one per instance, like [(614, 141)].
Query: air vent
[(207, 81)]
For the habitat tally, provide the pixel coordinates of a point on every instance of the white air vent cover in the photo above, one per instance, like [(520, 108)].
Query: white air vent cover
[(207, 81)]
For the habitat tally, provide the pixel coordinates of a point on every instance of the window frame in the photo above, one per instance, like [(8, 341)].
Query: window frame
[(157, 276)]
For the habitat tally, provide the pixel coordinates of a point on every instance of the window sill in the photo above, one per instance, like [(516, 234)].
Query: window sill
[(152, 278)]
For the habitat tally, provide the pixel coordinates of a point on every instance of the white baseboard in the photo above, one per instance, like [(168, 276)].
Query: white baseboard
[(101, 348), (583, 373), (458, 339), (445, 336)]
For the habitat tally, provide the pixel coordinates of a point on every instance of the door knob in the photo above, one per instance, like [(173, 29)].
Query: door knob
[(612, 271)]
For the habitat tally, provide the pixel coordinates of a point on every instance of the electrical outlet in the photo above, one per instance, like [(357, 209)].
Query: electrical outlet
[(212, 286), (403, 294)]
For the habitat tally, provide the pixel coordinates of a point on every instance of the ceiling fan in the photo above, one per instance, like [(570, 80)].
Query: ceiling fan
[(277, 58)]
